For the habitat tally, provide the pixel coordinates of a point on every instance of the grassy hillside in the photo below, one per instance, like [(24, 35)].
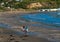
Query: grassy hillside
[(23, 3)]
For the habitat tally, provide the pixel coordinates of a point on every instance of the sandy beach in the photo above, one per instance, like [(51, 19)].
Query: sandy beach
[(10, 24), (10, 35)]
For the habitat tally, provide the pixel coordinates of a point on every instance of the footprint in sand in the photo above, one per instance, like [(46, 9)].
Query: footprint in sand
[(16, 41), (12, 39), (12, 35)]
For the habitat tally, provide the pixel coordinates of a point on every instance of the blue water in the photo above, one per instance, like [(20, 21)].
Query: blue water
[(49, 18)]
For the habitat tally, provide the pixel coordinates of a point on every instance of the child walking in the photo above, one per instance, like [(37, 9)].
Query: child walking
[(25, 30)]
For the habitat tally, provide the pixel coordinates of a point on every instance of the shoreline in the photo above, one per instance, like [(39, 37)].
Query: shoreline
[(23, 12)]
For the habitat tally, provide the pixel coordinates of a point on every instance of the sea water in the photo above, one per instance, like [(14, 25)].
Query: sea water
[(50, 19)]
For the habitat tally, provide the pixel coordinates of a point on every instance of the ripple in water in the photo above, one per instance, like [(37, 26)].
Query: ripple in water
[(49, 18)]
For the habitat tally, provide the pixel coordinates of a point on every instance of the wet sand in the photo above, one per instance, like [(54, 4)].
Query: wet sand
[(7, 35)]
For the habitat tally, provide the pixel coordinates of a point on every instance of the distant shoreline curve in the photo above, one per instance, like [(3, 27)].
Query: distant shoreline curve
[(23, 12)]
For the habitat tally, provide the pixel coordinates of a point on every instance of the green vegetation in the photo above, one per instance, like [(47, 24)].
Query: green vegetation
[(23, 3)]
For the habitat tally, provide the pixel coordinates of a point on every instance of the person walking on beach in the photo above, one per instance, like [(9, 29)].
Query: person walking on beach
[(25, 30)]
